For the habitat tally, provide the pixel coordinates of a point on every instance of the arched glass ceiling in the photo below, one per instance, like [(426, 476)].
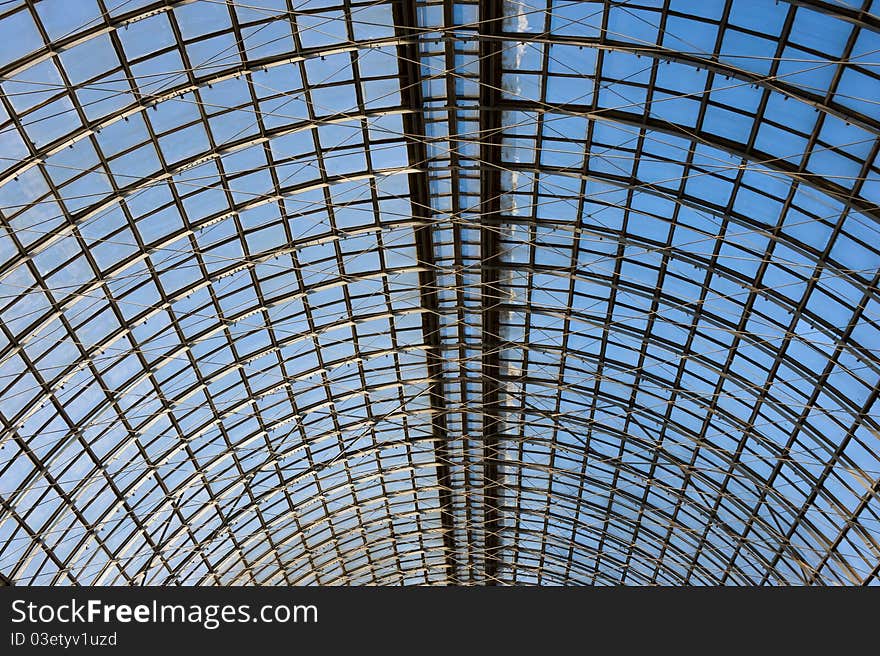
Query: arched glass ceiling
[(439, 292)]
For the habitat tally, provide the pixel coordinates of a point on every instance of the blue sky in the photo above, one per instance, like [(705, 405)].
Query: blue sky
[(213, 328)]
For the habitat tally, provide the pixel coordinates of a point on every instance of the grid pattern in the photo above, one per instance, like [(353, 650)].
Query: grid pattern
[(439, 292)]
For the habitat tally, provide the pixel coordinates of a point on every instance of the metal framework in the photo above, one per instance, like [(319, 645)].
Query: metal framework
[(439, 292)]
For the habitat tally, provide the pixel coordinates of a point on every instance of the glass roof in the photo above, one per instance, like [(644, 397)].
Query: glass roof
[(439, 292)]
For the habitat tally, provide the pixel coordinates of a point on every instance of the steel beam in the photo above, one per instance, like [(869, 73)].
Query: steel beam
[(491, 17), (406, 26)]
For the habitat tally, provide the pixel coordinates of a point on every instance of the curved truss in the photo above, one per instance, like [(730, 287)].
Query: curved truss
[(439, 292)]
